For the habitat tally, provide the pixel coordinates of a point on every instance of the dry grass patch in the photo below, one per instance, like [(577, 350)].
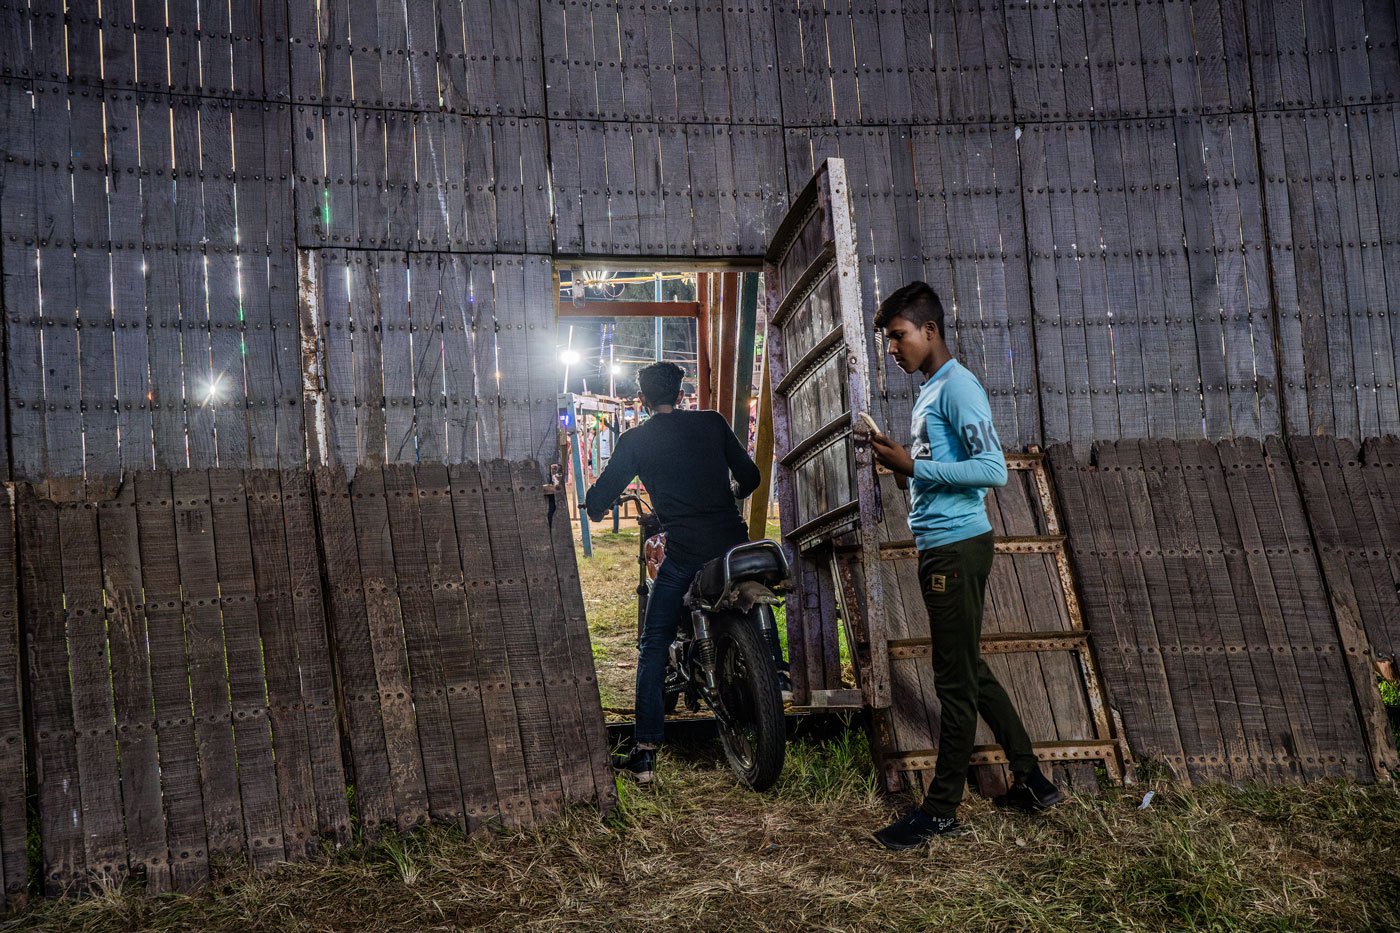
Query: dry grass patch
[(695, 852)]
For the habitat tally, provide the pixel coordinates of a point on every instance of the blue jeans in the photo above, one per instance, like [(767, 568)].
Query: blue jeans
[(658, 631)]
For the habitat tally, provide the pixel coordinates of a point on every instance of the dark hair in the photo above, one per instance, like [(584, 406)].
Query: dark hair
[(660, 383), (916, 302)]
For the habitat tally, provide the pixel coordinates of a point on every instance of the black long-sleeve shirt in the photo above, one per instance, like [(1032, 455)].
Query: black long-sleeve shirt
[(684, 459)]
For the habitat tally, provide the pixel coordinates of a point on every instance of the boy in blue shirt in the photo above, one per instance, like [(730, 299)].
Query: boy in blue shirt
[(954, 458)]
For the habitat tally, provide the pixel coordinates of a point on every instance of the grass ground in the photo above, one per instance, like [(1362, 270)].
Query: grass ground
[(695, 852)]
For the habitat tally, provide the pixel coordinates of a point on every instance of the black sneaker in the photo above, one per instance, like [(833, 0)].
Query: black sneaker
[(639, 764), (916, 828), (1033, 793)]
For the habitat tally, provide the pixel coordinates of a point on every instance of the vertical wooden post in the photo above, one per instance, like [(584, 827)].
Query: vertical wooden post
[(743, 380), (702, 339)]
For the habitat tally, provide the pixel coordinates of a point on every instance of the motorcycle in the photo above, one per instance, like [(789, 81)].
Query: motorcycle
[(726, 655)]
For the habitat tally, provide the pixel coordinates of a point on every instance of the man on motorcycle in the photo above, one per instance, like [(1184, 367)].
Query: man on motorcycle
[(955, 457), (684, 459)]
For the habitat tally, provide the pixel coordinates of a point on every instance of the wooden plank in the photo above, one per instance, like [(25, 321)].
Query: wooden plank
[(1368, 232), (376, 196), (92, 268), (1257, 599), (1202, 619), (503, 726), (551, 635), (676, 191), (490, 421), (1205, 279), (258, 373), (191, 231), (583, 668), (315, 657), (424, 645), (90, 680), (356, 679), (1044, 294), (1346, 156), (592, 146), (521, 642), (1087, 225), (366, 318), (338, 355), (1169, 736), (1282, 280), (1352, 590), (19, 184), (566, 194), (1229, 666), (646, 161), (57, 282), (50, 707), (623, 230), (1336, 661), (534, 185), (208, 673), (1262, 529), (426, 327), (225, 388), (1177, 339), (276, 624), (476, 789), (180, 782), (1101, 583), (1121, 300), (247, 683), (397, 358), (456, 314), (14, 817), (510, 198), (384, 616)]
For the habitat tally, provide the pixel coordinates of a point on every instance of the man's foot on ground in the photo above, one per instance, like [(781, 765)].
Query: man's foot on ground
[(916, 828), (1030, 794), (639, 764)]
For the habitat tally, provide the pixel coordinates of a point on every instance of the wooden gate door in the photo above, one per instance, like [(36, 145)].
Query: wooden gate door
[(845, 525), (825, 481)]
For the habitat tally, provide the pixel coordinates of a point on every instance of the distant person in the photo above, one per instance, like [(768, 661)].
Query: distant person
[(684, 459), (955, 457)]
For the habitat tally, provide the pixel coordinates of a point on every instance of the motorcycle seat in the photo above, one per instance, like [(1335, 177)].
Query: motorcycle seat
[(762, 561)]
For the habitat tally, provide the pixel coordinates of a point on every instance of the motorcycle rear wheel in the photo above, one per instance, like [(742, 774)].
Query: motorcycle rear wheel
[(755, 743)]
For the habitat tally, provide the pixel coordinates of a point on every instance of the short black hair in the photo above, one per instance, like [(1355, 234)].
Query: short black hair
[(916, 302), (660, 383)]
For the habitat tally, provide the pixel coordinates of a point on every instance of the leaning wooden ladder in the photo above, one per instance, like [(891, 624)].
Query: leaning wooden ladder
[(1033, 637)]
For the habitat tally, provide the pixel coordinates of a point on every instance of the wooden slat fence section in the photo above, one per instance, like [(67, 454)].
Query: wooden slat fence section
[(1204, 596), (1345, 493), (205, 722), (455, 660), (161, 707)]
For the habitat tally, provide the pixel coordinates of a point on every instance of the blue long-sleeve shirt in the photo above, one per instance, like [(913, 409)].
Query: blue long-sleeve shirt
[(957, 455)]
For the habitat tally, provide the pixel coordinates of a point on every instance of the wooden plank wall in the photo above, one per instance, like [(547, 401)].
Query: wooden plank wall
[(263, 235), (189, 678), (1202, 569), (1130, 243), (183, 620)]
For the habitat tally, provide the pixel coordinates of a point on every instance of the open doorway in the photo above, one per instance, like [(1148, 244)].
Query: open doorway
[(614, 319)]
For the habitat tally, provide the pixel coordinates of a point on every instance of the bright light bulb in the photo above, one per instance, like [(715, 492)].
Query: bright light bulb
[(569, 357), (211, 390), (616, 370)]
